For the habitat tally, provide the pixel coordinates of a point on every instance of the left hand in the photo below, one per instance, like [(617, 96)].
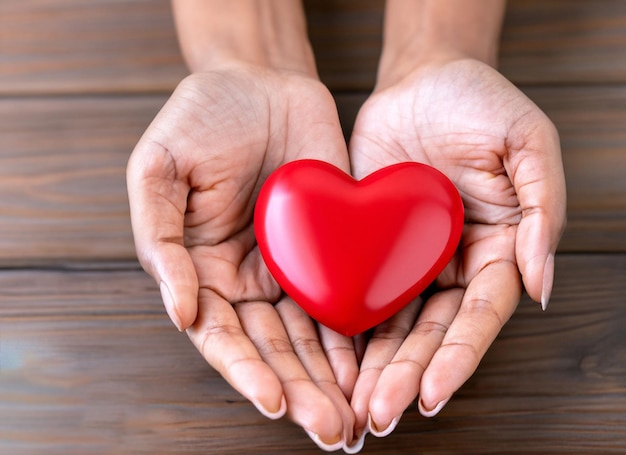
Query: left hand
[(465, 119)]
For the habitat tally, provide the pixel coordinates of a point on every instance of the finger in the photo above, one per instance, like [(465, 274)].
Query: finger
[(341, 354), (157, 206), (381, 348), (307, 346), (536, 170), (307, 405), (398, 384), (219, 336), (323, 138), (487, 305)]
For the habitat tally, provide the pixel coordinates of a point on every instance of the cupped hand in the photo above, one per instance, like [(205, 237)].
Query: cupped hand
[(193, 180), (463, 118)]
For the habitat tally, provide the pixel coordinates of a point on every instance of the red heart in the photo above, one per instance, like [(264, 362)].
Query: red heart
[(352, 253)]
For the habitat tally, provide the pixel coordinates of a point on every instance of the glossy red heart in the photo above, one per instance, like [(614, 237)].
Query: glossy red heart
[(352, 253)]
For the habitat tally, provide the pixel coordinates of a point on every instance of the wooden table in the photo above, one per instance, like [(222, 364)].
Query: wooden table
[(89, 362)]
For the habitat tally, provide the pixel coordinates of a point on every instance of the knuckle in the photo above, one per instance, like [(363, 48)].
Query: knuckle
[(464, 350), (213, 334), (411, 363), (431, 327), (274, 346), (484, 309), (306, 345), (389, 331)]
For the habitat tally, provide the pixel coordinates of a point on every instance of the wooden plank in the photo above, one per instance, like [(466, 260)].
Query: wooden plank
[(346, 38), (62, 165), (120, 382), (62, 176), (576, 42), (72, 46), (591, 126), (92, 290)]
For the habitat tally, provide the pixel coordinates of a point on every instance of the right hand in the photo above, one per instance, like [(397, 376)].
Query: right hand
[(464, 118), (193, 180)]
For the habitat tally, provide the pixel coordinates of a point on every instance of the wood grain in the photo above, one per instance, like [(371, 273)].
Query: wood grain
[(591, 126), (576, 42), (62, 176), (104, 46), (346, 39), (82, 374), (87, 291), (99, 46), (62, 171)]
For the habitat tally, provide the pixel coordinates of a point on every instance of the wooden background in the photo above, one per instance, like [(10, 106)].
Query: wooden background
[(89, 362)]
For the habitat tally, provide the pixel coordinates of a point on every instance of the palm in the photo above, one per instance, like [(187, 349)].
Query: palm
[(455, 120), (225, 134), (467, 121)]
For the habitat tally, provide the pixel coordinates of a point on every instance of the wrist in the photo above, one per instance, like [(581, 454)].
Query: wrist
[(423, 32), (269, 34)]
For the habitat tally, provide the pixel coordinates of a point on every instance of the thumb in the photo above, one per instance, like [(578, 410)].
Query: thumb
[(321, 139), (157, 205), (539, 181)]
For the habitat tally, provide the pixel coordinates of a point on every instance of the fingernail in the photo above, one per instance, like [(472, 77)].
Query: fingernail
[(433, 412), (356, 446), (375, 429), (274, 415), (548, 280), (328, 447), (170, 306)]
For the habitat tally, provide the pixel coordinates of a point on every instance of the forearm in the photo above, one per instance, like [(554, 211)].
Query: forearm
[(268, 33), (419, 31)]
